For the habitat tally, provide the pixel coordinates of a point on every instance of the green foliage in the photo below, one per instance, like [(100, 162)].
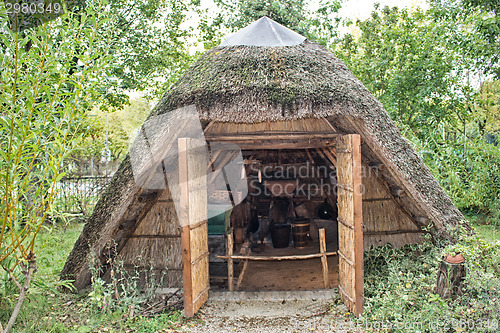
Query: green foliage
[(318, 24), (487, 107), (53, 245), (157, 323), (401, 59), (400, 283), (123, 125), (42, 97), (472, 182), (474, 26), (129, 291), (51, 75), (485, 230), (149, 42), (416, 64), (50, 310)]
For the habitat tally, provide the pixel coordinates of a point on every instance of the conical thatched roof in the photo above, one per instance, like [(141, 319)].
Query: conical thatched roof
[(253, 84)]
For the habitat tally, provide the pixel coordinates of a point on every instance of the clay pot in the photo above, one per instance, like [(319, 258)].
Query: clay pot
[(458, 259)]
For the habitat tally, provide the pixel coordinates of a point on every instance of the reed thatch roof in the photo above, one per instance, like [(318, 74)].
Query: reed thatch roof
[(254, 84)]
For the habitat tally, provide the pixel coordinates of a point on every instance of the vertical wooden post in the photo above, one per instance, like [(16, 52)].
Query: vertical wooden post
[(187, 275), (358, 222), (230, 266), (324, 259)]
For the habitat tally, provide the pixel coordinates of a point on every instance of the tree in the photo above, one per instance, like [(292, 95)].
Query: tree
[(42, 98), (52, 75), (474, 26), (318, 25), (401, 57), (418, 64), (149, 41), (487, 107), (123, 123)]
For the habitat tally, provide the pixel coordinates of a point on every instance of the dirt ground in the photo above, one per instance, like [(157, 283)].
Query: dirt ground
[(272, 317)]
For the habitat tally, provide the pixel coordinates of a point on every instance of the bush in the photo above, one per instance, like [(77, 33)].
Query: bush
[(130, 293), (473, 182), (400, 284)]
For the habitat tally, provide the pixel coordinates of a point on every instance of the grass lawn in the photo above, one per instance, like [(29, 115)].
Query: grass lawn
[(489, 233), (47, 309)]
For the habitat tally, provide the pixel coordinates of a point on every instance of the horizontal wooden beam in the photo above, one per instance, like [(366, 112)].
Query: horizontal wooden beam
[(377, 199), (272, 135), (278, 258), (268, 140), (145, 267), (155, 236), (296, 198), (393, 232), (279, 144)]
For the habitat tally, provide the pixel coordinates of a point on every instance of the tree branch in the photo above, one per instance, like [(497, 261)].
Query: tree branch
[(13, 279), (22, 292)]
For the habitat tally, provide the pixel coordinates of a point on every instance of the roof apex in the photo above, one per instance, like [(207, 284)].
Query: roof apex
[(264, 32)]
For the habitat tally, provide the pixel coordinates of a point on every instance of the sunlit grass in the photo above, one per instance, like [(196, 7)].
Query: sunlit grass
[(489, 233)]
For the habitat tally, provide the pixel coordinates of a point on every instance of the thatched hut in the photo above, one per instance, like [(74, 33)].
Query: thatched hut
[(286, 102)]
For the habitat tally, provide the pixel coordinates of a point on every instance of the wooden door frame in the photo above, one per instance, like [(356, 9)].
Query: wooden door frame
[(354, 302), (190, 225)]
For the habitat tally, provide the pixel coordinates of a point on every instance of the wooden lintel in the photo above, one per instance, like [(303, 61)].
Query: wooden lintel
[(281, 144), (272, 135)]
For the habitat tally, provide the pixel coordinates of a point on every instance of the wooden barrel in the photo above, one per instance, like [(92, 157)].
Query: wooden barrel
[(300, 232)]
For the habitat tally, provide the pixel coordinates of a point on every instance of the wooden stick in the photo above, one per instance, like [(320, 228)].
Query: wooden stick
[(230, 267), (243, 270), (278, 258), (324, 259)]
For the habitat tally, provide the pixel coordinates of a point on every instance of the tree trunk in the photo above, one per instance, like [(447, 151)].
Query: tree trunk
[(449, 281), (28, 274)]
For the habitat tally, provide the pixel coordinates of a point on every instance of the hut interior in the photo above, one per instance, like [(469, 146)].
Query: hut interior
[(292, 184), (291, 195)]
